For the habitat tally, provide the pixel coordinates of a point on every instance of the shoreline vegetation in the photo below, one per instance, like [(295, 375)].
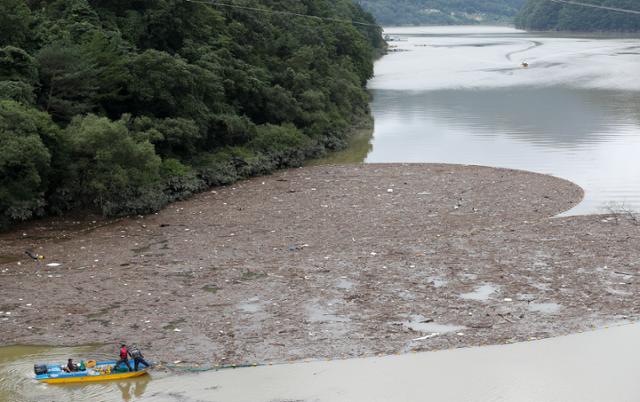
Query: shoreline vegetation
[(442, 12), (119, 108), (546, 15)]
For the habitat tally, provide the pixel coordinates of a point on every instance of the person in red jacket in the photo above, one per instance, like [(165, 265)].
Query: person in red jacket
[(124, 357)]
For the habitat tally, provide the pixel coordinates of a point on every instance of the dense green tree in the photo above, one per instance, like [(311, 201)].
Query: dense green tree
[(442, 12), (18, 75), (24, 161), (547, 15), (17, 65), (115, 170), (15, 20), (172, 137), (153, 100), (68, 81)]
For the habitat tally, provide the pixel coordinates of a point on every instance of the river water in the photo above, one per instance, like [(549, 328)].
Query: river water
[(460, 95), (589, 367), (455, 95)]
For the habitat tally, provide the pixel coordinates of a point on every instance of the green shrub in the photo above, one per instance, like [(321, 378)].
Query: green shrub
[(24, 161), (18, 91), (180, 180), (285, 145), (216, 169), (117, 173)]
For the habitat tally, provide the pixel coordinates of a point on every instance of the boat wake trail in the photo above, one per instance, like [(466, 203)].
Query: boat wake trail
[(533, 45)]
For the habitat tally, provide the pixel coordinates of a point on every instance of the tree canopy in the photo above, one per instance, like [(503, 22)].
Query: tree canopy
[(122, 106), (545, 15), (442, 12)]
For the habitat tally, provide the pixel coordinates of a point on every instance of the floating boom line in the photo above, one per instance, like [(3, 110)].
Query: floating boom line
[(577, 3), (288, 13)]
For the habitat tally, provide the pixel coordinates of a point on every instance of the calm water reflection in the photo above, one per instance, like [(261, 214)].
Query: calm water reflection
[(459, 95)]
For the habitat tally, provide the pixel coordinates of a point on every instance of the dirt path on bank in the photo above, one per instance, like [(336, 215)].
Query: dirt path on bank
[(327, 262)]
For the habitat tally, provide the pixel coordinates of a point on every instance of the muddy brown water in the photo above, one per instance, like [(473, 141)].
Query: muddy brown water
[(592, 366), (17, 383)]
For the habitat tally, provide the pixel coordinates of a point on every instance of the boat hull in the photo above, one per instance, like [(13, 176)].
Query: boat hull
[(93, 378), (103, 371)]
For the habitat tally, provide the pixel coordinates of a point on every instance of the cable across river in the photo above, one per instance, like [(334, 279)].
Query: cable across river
[(580, 4), (289, 13)]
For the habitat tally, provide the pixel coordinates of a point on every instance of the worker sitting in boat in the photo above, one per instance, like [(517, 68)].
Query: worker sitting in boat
[(70, 367), (124, 357), (137, 357)]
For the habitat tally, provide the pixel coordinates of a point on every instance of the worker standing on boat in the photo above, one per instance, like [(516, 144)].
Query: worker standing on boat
[(124, 357), (137, 357)]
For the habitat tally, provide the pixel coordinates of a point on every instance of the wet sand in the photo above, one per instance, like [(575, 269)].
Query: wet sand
[(327, 262)]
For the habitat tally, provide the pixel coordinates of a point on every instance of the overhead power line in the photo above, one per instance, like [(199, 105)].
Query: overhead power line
[(577, 3), (288, 13)]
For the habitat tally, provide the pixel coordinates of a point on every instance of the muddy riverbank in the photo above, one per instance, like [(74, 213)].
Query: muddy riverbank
[(327, 262)]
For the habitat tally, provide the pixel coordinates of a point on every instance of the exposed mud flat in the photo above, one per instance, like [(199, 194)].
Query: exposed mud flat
[(327, 262)]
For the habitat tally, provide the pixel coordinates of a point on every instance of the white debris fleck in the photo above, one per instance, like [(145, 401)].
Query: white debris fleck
[(422, 338)]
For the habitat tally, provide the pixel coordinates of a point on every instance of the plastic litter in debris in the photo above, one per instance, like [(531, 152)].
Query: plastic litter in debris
[(53, 264), (422, 338)]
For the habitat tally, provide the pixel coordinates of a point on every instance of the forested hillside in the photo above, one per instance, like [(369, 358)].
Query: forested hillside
[(545, 15), (442, 12), (121, 106)]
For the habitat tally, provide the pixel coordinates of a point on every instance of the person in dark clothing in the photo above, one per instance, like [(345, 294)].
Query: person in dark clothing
[(124, 357), (71, 366), (137, 357)]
